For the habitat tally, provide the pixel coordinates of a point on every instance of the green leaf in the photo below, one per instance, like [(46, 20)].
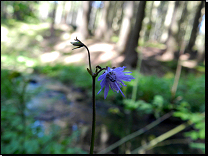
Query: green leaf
[(202, 133), (193, 134), (158, 101), (198, 145)]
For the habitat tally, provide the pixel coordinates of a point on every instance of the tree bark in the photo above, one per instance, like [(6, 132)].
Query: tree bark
[(53, 18), (171, 42), (195, 28), (131, 56), (83, 24), (149, 24), (125, 27), (103, 25), (181, 23)]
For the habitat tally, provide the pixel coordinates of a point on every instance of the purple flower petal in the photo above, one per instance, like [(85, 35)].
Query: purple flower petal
[(106, 90), (102, 76), (114, 78)]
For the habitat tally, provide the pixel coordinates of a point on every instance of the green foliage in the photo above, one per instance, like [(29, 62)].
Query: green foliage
[(198, 121), (67, 74), (198, 145), (19, 139), (192, 89), (146, 108), (20, 10)]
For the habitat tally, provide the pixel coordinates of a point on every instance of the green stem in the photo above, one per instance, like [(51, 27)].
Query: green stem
[(93, 115), (134, 92), (89, 58)]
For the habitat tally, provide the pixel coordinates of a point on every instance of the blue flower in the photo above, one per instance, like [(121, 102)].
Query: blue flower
[(114, 78)]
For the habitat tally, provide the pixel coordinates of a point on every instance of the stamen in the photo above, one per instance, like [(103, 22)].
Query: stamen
[(111, 76)]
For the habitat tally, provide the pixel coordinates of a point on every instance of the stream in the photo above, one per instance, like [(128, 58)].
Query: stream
[(70, 109)]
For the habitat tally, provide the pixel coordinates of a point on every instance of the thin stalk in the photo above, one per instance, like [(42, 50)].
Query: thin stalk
[(89, 58), (93, 115), (134, 92), (179, 67), (178, 72)]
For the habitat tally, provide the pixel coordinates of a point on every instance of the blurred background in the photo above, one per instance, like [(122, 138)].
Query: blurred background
[(46, 90)]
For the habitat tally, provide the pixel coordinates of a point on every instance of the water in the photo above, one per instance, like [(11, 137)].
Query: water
[(71, 110)]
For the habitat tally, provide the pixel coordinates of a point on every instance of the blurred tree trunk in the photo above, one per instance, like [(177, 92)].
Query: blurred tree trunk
[(125, 26), (149, 23), (53, 18), (118, 17), (154, 19), (195, 28), (63, 20), (167, 22), (103, 24), (111, 14), (182, 23), (131, 55), (171, 42), (83, 24), (66, 12), (3, 10)]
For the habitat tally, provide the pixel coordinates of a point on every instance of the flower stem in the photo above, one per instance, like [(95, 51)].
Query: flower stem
[(93, 116), (88, 58)]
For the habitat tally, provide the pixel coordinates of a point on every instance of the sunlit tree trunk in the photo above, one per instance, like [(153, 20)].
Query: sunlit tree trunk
[(167, 21), (59, 12), (67, 11), (118, 17), (103, 25), (125, 26), (171, 42), (149, 23), (53, 18), (131, 55), (83, 24), (182, 23), (195, 28), (154, 19)]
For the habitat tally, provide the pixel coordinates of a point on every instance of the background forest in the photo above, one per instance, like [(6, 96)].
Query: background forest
[(46, 91)]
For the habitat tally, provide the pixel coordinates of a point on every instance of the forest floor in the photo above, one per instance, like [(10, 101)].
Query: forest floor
[(58, 49)]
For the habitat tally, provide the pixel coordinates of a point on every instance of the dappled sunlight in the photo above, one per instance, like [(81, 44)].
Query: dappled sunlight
[(168, 56), (189, 63), (49, 56), (4, 33), (62, 45), (75, 58)]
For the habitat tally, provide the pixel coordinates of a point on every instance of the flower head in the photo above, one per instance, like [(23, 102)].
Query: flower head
[(114, 78), (78, 43)]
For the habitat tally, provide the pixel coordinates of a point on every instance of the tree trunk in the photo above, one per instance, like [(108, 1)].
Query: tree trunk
[(103, 25), (167, 22), (181, 23), (53, 18), (131, 55), (83, 24), (125, 27), (149, 24), (195, 28), (118, 17), (154, 19), (171, 42)]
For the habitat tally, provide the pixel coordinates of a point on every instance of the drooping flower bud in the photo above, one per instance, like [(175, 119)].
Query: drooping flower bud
[(78, 43)]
